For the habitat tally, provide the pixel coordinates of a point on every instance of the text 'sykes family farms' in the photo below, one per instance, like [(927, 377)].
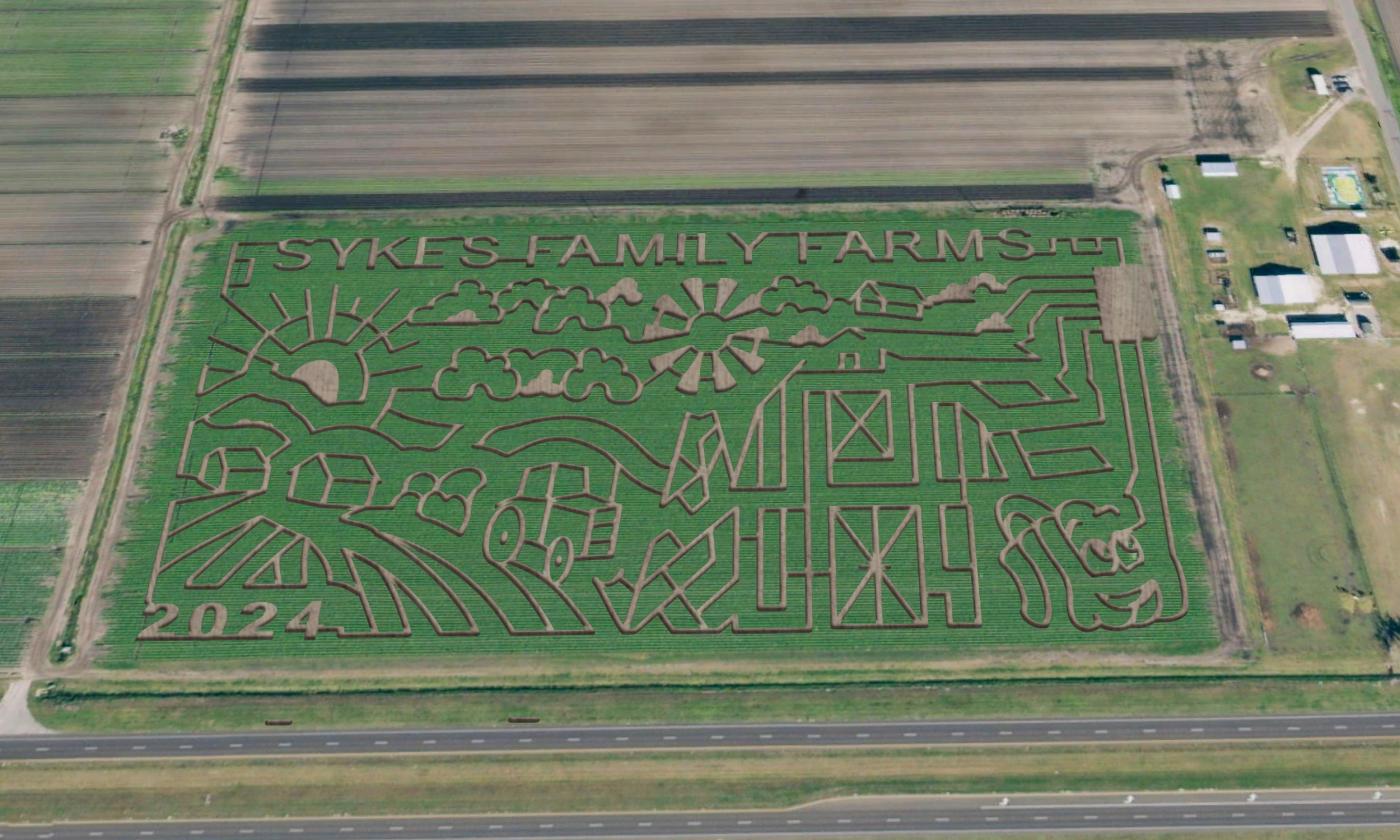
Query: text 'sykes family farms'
[(689, 436)]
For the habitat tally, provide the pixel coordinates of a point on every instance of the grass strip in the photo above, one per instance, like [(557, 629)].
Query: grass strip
[(556, 783), (100, 706), (211, 113), (62, 648), (1380, 46)]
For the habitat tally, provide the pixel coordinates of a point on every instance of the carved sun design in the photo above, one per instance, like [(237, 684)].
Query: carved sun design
[(707, 324)]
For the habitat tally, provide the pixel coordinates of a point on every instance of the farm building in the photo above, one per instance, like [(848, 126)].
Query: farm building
[(1217, 166), (1342, 248), (1172, 188), (1319, 82), (1213, 235), (1280, 285), (1320, 326)]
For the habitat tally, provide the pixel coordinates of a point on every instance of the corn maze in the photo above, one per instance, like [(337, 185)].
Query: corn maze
[(674, 437)]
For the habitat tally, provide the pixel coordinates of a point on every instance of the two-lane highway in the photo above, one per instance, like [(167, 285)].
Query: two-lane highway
[(840, 817), (535, 738)]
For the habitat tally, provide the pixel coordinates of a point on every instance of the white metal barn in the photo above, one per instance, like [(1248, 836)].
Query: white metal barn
[(1343, 249), (1219, 169), (1278, 285), (1303, 327)]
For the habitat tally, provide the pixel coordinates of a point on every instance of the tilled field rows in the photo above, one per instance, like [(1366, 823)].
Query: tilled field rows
[(98, 102), (332, 99), (371, 11), (617, 132)]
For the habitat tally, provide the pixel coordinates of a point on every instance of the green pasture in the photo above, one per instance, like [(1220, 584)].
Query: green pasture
[(33, 531), (448, 453), (74, 50)]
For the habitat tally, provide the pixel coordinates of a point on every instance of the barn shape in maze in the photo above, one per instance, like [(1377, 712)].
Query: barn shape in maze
[(673, 437)]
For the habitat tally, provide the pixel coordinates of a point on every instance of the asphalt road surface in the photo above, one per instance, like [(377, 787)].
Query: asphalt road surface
[(850, 817), (527, 738)]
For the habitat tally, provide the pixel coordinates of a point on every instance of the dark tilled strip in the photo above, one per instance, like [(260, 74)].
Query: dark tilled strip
[(680, 197), (311, 84), (794, 30), (64, 324), (48, 446)]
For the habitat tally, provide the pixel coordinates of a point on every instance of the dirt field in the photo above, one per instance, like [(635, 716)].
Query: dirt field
[(368, 11), (335, 98), (619, 132)]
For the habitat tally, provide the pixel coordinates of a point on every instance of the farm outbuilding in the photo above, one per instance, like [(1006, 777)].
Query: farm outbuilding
[(1213, 235), (1320, 326), (1172, 188), (1342, 248), (1217, 166), (1280, 285)]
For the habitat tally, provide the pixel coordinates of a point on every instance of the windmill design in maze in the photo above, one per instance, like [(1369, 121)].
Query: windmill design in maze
[(676, 451)]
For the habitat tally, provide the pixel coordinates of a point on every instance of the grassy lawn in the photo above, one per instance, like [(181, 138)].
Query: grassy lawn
[(1357, 401), (103, 706), (598, 782), (1294, 95)]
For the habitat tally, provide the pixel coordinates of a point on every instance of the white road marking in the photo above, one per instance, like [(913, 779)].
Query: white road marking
[(89, 749), (668, 737), (430, 741), (332, 743), (187, 746), (862, 734), (235, 746)]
